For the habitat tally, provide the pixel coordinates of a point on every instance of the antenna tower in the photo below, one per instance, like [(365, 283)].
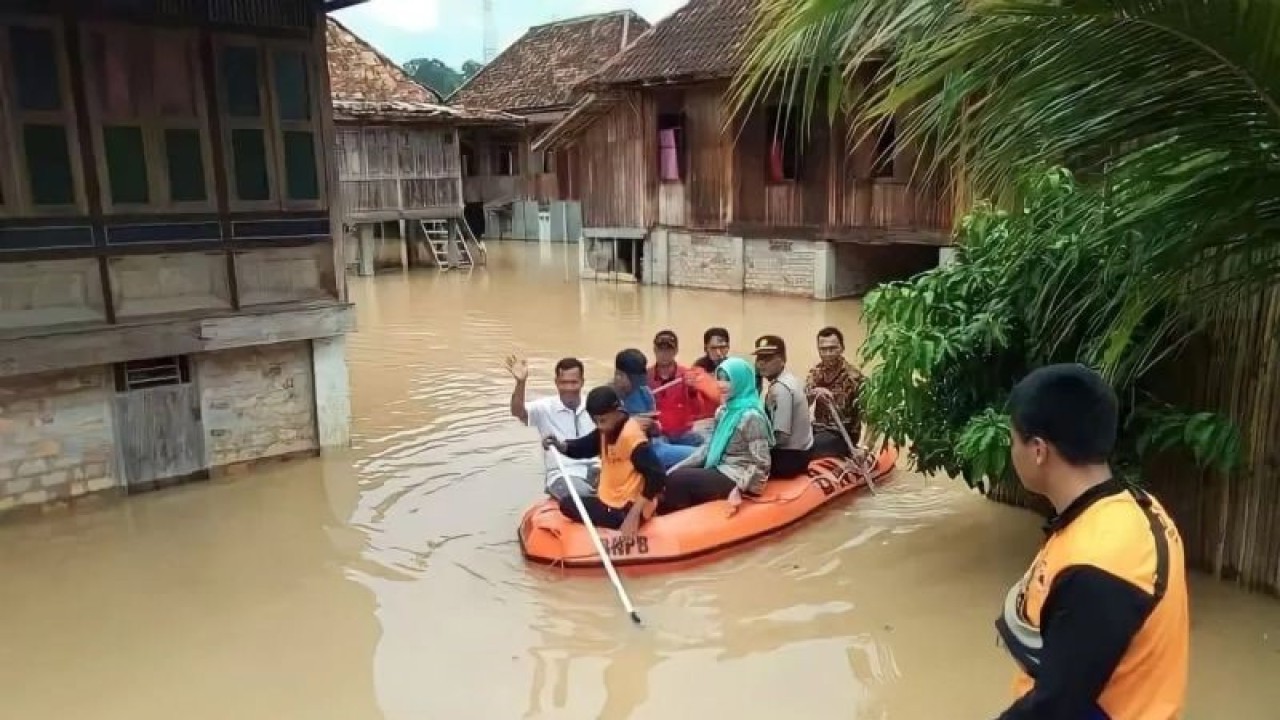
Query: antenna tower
[(490, 32)]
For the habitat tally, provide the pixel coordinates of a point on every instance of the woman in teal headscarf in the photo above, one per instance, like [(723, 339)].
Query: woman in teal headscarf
[(735, 462)]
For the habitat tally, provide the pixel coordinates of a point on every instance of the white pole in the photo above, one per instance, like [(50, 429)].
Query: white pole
[(595, 540), (853, 449), (667, 386)]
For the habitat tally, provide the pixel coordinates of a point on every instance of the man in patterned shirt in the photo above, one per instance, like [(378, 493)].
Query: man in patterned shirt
[(833, 381)]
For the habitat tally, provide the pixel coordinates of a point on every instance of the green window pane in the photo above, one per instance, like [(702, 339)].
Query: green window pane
[(126, 164), (240, 78), (249, 156), (294, 98), (300, 165), (185, 157), (35, 67), (48, 165)]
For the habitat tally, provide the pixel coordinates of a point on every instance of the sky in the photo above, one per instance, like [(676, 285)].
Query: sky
[(408, 29)]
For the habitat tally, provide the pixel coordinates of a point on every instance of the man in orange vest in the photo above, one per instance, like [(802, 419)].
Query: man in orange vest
[(1098, 626), (631, 476)]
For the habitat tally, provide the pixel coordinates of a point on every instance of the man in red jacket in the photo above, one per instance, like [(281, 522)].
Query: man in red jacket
[(683, 394)]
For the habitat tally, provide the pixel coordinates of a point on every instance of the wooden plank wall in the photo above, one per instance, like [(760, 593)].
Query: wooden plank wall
[(799, 203), (1229, 525), (615, 166), (616, 172), (710, 150), (386, 169), (528, 183)]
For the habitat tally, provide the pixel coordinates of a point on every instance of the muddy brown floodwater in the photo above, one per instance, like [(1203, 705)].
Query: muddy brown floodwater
[(385, 582)]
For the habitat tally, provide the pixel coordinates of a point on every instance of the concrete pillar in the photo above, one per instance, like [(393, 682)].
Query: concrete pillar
[(573, 221), (946, 256), (332, 391), (658, 264), (405, 250), (738, 251), (824, 269), (559, 215), (368, 249)]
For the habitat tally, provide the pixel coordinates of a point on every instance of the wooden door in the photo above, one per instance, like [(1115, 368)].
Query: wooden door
[(159, 431)]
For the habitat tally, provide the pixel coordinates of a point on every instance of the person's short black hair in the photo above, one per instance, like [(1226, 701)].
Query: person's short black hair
[(631, 361), (570, 363), (830, 330), (1069, 406), (714, 333), (601, 400)]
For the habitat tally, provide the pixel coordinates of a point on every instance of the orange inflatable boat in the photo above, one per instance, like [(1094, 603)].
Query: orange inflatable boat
[(547, 536)]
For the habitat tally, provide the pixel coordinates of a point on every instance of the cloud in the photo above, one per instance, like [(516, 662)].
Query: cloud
[(651, 10), (410, 15)]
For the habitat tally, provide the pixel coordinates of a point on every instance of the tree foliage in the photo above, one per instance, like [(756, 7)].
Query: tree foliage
[(1166, 113), (438, 75), (1027, 288)]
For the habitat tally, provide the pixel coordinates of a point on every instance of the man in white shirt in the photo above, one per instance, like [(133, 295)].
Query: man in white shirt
[(562, 416)]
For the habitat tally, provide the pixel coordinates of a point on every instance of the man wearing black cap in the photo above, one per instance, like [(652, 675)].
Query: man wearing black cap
[(683, 395), (631, 476), (631, 382), (784, 400)]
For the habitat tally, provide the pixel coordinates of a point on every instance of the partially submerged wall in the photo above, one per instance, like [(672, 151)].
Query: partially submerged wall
[(807, 268)]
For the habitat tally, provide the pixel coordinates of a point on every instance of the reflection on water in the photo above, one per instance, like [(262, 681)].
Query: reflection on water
[(386, 582)]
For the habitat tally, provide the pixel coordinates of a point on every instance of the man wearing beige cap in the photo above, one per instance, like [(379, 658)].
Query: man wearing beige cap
[(788, 410)]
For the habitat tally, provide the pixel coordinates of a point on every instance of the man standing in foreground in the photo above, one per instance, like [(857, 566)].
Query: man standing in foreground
[(562, 416), (1098, 626), (788, 410)]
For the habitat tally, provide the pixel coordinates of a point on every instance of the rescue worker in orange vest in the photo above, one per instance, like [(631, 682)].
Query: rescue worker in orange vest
[(1098, 626), (631, 476)]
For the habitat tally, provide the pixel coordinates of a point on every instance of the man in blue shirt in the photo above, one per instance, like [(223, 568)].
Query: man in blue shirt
[(631, 381)]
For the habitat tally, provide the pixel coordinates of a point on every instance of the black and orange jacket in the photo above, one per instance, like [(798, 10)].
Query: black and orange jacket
[(1099, 624)]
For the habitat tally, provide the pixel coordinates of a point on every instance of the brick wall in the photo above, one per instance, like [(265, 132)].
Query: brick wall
[(257, 402), (704, 261), (801, 268), (55, 436), (782, 267)]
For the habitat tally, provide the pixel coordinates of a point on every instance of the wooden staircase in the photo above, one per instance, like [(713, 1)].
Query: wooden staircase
[(452, 243)]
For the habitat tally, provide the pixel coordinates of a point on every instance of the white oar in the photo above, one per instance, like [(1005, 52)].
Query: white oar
[(595, 540), (853, 449), (667, 386)]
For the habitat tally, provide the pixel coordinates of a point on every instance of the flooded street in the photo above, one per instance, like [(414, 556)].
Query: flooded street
[(385, 582)]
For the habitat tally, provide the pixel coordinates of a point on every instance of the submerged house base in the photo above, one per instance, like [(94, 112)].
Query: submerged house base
[(241, 390), (818, 269)]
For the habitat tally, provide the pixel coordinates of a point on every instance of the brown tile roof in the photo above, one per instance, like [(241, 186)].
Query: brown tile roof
[(541, 69), (355, 111), (702, 40), (357, 71), (589, 107)]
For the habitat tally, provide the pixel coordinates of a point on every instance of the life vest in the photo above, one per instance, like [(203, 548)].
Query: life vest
[(1127, 533)]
